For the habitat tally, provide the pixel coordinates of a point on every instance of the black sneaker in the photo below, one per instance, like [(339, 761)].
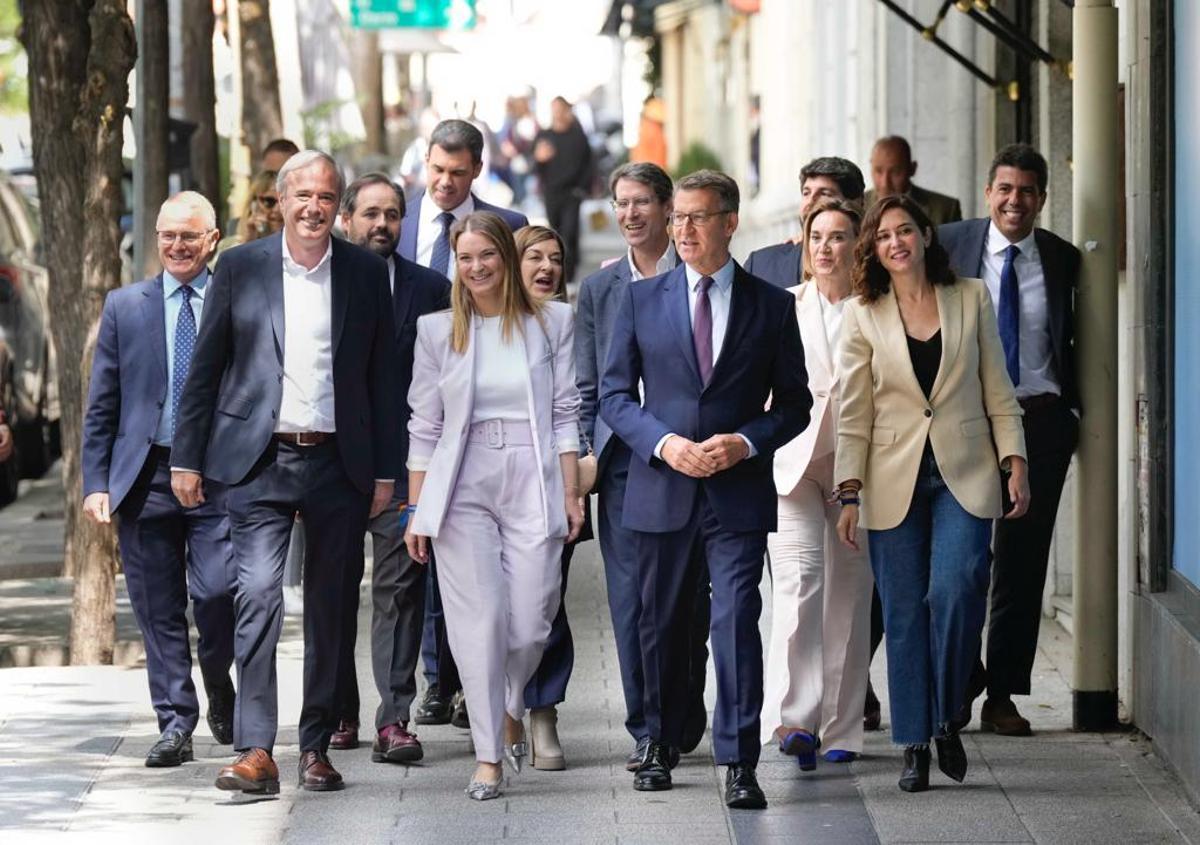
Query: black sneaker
[(433, 709)]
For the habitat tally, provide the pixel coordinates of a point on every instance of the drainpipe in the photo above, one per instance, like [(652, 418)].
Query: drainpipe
[(1094, 150)]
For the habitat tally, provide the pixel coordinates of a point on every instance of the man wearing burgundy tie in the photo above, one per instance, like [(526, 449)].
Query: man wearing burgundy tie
[(709, 345), (1032, 276)]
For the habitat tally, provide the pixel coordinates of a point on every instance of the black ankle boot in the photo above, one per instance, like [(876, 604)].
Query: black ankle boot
[(915, 777), (952, 758)]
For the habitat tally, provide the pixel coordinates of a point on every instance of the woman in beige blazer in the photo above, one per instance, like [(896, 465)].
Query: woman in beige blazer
[(492, 459), (927, 422), (816, 669)]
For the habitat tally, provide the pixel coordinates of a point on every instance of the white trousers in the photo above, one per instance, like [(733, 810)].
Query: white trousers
[(499, 576), (816, 670)]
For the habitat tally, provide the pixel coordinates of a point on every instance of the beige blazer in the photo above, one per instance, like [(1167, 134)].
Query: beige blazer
[(442, 397), (792, 460), (972, 418)]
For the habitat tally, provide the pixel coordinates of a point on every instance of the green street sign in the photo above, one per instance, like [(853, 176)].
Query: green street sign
[(412, 14)]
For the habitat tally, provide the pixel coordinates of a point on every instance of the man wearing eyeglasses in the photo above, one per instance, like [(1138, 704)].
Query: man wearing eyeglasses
[(143, 353), (710, 345)]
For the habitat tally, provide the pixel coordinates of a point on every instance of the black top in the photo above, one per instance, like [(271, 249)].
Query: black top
[(926, 357), (571, 166)]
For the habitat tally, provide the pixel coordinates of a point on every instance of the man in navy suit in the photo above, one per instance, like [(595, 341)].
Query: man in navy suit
[(821, 178), (143, 351), (372, 209), (641, 198), (454, 160), (1032, 275), (292, 402), (709, 345)]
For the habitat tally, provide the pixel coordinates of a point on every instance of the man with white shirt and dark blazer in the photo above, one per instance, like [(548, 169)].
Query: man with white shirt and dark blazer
[(827, 177), (372, 209), (1032, 276), (454, 160), (292, 402), (695, 357), (143, 350), (641, 198)]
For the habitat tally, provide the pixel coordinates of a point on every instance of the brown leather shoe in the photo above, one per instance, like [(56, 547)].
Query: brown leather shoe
[(346, 736), (253, 771), (317, 774), (1000, 716), (395, 744)]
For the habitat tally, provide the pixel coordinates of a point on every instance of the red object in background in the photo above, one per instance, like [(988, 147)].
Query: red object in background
[(746, 7)]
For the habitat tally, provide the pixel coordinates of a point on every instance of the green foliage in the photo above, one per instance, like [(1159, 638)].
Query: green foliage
[(695, 157), (318, 123), (14, 85)]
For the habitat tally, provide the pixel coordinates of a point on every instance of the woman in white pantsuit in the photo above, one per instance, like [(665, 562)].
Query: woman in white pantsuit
[(816, 676), (493, 469)]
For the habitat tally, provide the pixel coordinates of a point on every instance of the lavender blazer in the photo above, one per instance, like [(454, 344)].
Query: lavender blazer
[(442, 398)]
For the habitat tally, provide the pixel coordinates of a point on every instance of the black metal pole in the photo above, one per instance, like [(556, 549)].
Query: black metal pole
[(932, 36)]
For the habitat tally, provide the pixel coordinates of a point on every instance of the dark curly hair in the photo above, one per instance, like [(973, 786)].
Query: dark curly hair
[(871, 280)]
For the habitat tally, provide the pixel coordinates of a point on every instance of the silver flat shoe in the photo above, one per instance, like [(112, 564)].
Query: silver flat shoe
[(478, 790), (514, 753)]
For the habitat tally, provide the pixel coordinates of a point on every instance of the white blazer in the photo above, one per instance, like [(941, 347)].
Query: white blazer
[(791, 461), (442, 398)]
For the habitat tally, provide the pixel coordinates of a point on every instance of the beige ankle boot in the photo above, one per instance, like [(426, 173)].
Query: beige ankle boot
[(543, 740)]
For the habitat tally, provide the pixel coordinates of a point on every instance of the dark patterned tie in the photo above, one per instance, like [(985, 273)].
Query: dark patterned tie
[(702, 328), (1010, 315), (440, 261), (185, 343)]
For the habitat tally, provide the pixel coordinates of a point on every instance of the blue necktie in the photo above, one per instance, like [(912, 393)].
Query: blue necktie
[(185, 342), (440, 261), (1010, 315)]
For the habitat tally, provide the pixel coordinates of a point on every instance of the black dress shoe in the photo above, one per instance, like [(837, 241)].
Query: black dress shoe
[(458, 715), (952, 759), (172, 749), (221, 698), (654, 774), (693, 727), (742, 791), (638, 756), (433, 709), (915, 777), (872, 712)]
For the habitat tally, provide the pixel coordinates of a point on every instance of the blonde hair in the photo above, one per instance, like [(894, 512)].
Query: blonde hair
[(531, 235), (844, 207), (262, 181), (515, 301)]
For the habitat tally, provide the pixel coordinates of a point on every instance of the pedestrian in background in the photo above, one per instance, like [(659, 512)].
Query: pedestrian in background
[(258, 216), (494, 442), (564, 169), (927, 423)]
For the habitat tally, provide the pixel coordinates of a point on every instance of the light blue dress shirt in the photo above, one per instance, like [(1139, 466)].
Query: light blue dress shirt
[(172, 302)]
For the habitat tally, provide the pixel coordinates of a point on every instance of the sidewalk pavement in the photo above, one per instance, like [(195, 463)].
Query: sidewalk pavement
[(72, 741)]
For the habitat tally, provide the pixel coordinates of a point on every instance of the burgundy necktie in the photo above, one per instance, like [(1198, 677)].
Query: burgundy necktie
[(702, 326)]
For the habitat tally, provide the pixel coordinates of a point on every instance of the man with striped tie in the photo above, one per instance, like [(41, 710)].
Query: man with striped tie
[(143, 354)]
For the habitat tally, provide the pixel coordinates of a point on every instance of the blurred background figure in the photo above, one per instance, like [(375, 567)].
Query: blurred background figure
[(892, 170), (564, 167), (258, 216), (652, 137), (516, 136)]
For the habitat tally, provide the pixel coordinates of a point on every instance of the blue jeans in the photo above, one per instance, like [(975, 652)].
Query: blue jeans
[(932, 571)]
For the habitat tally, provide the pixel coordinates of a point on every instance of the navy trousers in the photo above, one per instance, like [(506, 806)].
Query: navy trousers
[(311, 481), (170, 553), (671, 567)]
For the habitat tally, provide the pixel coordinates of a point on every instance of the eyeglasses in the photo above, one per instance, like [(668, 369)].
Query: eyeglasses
[(640, 203), (188, 238), (268, 202), (696, 218)]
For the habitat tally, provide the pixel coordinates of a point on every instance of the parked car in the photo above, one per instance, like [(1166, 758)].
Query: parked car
[(28, 388)]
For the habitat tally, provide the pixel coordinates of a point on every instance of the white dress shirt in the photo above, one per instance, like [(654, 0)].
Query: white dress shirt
[(307, 346), (1037, 371), (391, 263), (430, 228), (666, 262), (500, 372)]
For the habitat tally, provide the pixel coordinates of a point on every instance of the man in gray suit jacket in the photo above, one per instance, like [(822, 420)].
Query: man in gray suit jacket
[(892, 170), (641, 197)]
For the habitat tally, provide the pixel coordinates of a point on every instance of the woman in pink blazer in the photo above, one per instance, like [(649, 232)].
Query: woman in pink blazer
[(492, 460), (816, 676)]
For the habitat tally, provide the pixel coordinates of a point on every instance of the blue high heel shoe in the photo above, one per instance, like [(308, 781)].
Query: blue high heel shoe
[(803, 746), (837, 755)]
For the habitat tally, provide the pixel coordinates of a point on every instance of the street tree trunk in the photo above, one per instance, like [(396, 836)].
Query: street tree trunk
[(368, 72), (262, 116), (80, 54), (150, 129), (199, 99)]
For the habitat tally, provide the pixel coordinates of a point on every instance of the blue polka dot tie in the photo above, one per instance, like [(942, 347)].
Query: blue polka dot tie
[(185, 342), (440, 259)]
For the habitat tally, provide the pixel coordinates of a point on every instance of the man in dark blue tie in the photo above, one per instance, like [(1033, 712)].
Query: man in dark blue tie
[(143, 353), (1032, 276)]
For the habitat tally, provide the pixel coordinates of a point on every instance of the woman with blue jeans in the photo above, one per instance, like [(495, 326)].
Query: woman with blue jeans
[(928, 423)]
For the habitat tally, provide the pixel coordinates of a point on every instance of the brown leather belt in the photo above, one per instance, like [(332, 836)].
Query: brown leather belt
[(304, 438)]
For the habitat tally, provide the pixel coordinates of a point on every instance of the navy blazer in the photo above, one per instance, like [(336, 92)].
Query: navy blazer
[(416, 291), (127, 390), (412, 222), (761, 359), (230, 405), (779, 264), (600, 298), (966, 240)]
